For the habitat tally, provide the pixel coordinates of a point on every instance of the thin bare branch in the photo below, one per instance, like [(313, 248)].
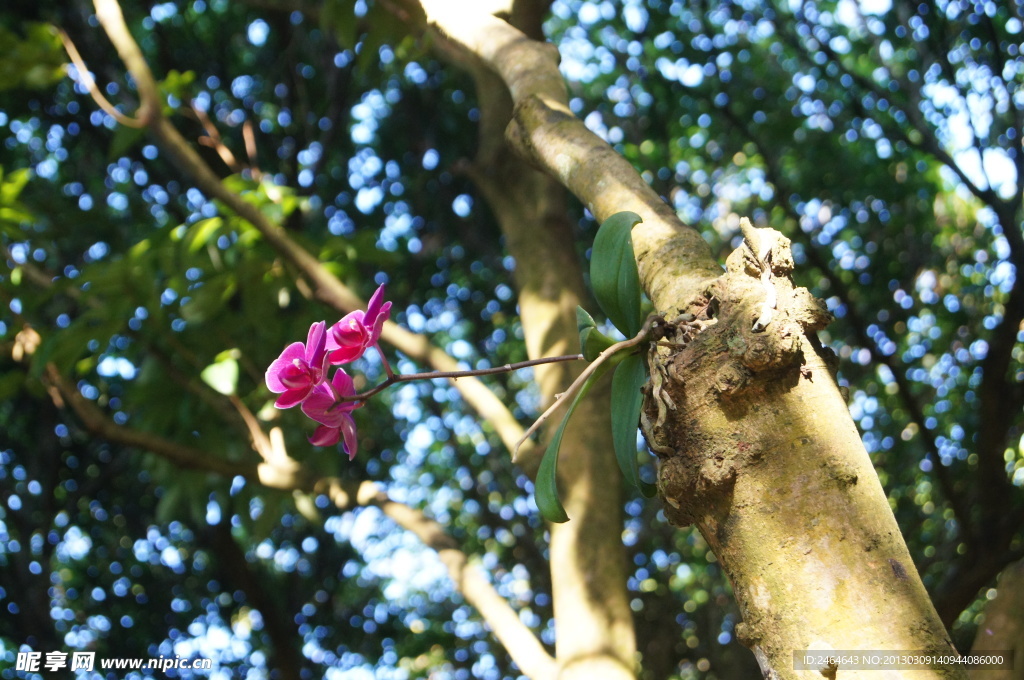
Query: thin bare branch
[(214, 140), (249, 136), (395, 378), (87, 81)]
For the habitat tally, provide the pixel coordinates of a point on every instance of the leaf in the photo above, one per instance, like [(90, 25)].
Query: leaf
[(200, 233), (124, 139), (584, 320), (547, 474), (592, 341), (338, 17), (627, 400), (222, 375), (613, 273), (176, 84), (208, 299), (12, 184), (35, 62)]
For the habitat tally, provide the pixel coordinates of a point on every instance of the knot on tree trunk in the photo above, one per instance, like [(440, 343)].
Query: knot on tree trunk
[(751, 330)]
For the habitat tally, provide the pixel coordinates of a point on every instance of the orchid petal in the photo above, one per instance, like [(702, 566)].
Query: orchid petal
[(343, 384), (325, 436), (284, 365), (320, 406), (348, 429), (378, 323), (292, 397), (374, 304), (315, 343), (345, 355), (323, 365), (351, 330)]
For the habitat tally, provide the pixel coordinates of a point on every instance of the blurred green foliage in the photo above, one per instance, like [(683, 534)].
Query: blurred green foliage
[(885, 140), (32, 61)]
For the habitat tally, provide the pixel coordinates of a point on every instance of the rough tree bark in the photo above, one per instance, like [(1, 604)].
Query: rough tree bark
[(756, 444)]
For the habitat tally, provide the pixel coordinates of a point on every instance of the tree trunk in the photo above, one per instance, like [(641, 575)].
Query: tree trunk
[(758, 450), (594, 624)]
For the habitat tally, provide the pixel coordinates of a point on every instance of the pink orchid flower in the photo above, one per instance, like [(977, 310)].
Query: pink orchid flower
[(357, 331), (300, 368), (335, 417)]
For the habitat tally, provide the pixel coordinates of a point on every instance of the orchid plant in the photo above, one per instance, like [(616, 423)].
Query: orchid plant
[(300, 374)]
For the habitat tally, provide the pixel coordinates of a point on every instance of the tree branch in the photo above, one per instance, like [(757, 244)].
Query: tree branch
[(87, 81), (524, 647), (594, 623), (326, 287), (395, 378), (186, 457), (110, 16), (989, 532)]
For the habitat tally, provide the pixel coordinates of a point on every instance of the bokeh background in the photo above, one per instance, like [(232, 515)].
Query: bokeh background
[(883, 138)]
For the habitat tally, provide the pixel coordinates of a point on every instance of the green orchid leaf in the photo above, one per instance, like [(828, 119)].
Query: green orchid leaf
[(592, 341), (627, 400), (546, 490), (584, 320), (613, 273)]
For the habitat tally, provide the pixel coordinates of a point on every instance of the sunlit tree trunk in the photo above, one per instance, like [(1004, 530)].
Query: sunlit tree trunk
[(594, 627), (758, 451)]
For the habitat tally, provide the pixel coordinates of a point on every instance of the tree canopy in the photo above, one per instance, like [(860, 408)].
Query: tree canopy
[(149, 507)]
